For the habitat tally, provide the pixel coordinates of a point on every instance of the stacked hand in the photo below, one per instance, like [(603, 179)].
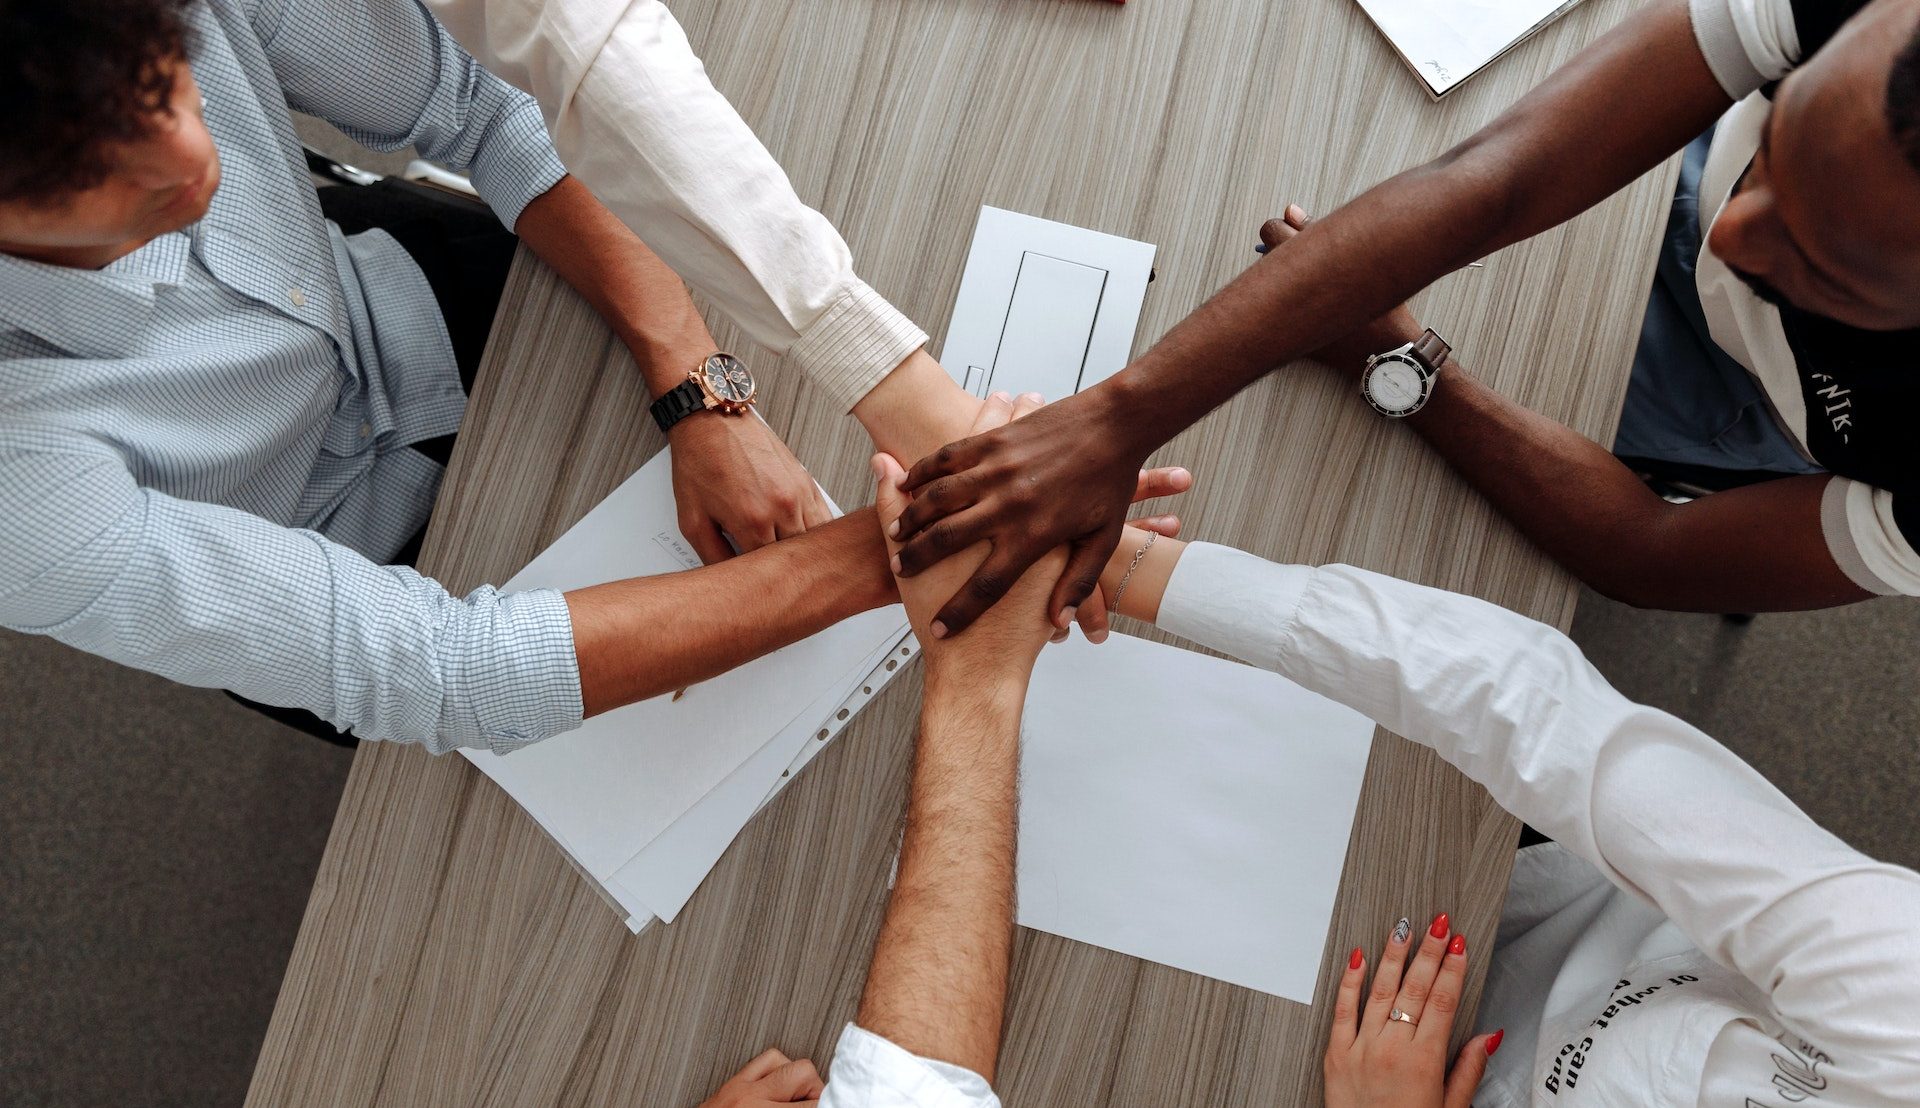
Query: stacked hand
[(732, 474)]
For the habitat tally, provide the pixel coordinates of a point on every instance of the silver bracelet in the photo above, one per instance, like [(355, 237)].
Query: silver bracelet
[(1120, 589)]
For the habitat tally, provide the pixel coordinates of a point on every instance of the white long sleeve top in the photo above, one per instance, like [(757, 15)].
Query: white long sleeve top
[(1697, 939), (633, 115)]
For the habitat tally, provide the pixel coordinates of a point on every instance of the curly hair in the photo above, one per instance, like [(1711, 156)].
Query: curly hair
[(79, 77)]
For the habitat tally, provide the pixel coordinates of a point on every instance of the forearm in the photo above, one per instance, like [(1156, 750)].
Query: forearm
[(1756, 549), (646, 636), (641, 299), (1602, 112), (937, 985), (916, 409)]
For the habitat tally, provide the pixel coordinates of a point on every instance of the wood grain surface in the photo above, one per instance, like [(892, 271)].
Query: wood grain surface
[(451, 956)]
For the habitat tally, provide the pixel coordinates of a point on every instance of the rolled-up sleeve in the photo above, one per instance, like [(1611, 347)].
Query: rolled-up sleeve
[(634, 116), (389, 75), (211, 596), (870, 1071)]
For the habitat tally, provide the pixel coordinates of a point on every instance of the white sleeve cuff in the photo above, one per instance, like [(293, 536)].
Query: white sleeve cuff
[(1865, 539), (1746, 42), (1232, 601), (871, 1072), (855, 343)]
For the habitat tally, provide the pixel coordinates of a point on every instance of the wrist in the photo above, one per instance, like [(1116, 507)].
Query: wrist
[(969, 686), (666, 356)]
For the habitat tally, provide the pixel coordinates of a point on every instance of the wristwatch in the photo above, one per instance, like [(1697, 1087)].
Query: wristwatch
[(1398, 382), (721, 383)]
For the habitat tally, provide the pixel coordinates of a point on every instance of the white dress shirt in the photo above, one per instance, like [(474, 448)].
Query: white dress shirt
[(633, 115), (1694, 938)]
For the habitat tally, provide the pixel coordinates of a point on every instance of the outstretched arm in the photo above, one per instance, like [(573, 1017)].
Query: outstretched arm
[(1614, 112)]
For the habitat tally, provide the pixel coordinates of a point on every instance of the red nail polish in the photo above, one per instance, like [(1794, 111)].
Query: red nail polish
[(1458, 945), (1439, 928), (1493, 1041), (1355, 961)]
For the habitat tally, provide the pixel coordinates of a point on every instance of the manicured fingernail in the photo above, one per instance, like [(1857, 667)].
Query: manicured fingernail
[(1439, 928), (1402, 930), (893, 529), (895, 563), (938, 630), (1493, 1041), (1260, 249), (1458, 945), (1356, 959)]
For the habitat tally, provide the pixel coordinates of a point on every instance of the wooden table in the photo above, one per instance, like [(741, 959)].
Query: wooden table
[(451, 956)]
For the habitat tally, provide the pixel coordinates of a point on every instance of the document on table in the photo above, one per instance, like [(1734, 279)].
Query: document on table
[(685, 773), (1186, 810), (1044, 307), (1445, 42)]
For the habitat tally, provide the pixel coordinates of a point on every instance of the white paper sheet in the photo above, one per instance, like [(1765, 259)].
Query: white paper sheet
[(661, 878), (614, 785), (1445, 42), (1186, 810), (1044, 307)]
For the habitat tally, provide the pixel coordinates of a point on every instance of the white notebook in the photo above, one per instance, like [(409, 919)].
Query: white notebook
[(1445, 42)]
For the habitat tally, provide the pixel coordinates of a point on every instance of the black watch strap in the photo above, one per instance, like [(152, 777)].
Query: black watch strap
[(680, 402)]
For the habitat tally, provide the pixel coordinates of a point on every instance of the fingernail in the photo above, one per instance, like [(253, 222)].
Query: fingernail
[(1493, 1041), (1260, 249), (893, 529), (1296, 213), (1402, 930), (894, 562), (1066, 616), (1098, 637), (1001, 395), (873, 463), (1034, 398), (1439, 928), (1057, 637), (1353, 962), (1458, 945), (938, 630)]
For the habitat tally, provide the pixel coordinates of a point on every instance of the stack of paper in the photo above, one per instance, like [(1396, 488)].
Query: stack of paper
[(1445, 42), (647, 798)]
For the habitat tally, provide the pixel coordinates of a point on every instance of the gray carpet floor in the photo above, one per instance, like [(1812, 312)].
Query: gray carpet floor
[(157, 842)]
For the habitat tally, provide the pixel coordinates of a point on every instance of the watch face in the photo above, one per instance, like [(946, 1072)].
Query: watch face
[(727, 379), (1394, 384)]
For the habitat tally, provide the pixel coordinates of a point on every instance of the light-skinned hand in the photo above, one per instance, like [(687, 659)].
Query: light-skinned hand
[(1374, 1061), (771, 1078)]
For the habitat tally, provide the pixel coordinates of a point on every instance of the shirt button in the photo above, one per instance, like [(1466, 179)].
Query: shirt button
[(366, 429), (298, 297)]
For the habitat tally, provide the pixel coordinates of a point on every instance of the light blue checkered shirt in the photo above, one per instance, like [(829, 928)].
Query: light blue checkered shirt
[(204, 446)]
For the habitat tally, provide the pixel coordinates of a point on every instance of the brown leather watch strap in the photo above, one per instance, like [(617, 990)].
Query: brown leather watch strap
[(1432, 350)]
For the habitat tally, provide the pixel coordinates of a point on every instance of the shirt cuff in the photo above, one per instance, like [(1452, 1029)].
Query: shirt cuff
[(1233, 602), (516, 164), (872, 1072), (512, 677), (1865, 539), (854, 344), (1719, 40)]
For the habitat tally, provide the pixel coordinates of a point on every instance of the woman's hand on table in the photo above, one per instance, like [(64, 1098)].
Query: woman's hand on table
[(1388, 1046)]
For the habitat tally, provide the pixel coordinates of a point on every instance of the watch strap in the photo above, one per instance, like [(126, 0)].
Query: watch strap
[(1431, 350), (679, 402)]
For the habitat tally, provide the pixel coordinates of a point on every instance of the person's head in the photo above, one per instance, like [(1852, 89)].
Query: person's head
[(103, 147), (1828, 216)]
